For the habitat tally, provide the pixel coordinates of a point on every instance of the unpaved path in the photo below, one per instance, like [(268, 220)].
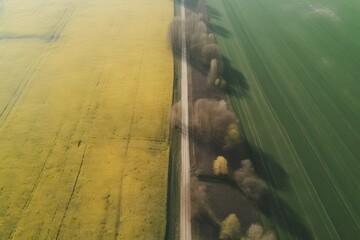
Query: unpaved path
[(185, 200)]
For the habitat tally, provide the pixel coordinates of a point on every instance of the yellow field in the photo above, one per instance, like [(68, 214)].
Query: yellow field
[(85, 92)]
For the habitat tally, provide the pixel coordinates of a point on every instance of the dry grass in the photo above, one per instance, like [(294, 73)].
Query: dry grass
[(84, 132)]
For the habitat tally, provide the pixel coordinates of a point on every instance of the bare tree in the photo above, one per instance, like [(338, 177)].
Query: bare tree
[(209, 52), (201, 28), (248, 182), (211, 120), (201, 8), (253, 187), (256, 232), (246, 170), (199, 198)]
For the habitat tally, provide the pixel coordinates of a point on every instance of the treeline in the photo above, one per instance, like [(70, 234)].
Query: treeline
[(202, 48), (213, 122)]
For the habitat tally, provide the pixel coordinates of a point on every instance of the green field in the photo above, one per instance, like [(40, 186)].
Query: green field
[(301, 107)]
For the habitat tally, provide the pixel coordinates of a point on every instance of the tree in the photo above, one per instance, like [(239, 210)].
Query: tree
[(232, 137), (230, 228), (253, 187), (220, 166), (213, 74), (256, 232), (201, 27), (211, 120), (246, 170), (209, 52), (248, 182)]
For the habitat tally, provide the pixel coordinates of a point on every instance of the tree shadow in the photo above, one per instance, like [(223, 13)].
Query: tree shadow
[(236, 83), (212, 12), (263, 163), (273, 206), (236, 154), (278, 211), (219, 30)]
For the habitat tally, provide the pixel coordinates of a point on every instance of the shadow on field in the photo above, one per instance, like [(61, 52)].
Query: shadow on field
[(212, 12), (236, 82), (269, 170), (285, 217), (273, 206), (219, 30)]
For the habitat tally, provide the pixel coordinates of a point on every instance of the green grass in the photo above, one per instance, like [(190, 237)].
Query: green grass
[(301, 111)]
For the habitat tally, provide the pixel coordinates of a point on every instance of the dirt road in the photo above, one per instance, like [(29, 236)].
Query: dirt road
[(185, 200)]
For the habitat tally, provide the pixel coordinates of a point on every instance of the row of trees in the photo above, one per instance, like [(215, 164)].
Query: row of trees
[(212, 121), (200, 43)]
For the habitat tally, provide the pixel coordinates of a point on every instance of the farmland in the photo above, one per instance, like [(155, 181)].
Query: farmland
[(85, 93), (299, 105)]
